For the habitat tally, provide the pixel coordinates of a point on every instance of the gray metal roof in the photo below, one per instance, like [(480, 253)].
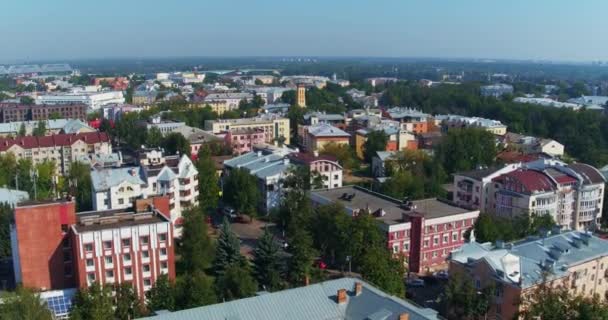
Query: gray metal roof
[(317, 301), (261, 164), (12, 196), (104, 179)]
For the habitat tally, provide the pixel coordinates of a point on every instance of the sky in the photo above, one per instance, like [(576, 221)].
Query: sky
[(565, 30)]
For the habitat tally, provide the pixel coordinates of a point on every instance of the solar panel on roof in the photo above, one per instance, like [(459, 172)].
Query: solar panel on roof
[(60, 306)]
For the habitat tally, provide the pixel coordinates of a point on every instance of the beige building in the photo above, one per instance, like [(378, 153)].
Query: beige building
[(62, 149), (301, 95), (274, 126), (575, 260)]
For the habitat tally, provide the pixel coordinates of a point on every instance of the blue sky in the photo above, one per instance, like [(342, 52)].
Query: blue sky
[(513, 29)]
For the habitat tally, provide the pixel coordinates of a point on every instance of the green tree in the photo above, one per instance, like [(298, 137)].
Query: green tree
[(23, 304), (175, 142), (22, 131), (6, 217), (194, 290), (40, 129), (345, 155), (242, 192), (236, 283), (464, 301), (378, 267), (26, 100), (196, 248), (302, 256), (95, 303), (228, 250), (46, 181), (162, 295), (127, 304), (208, 182), (154, 138), (266, 262), (375, 141), (79, 184), (466, 149)]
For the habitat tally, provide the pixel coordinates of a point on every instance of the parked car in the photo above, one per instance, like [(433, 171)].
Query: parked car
[(415, 282), (442, 274), (230, 213)]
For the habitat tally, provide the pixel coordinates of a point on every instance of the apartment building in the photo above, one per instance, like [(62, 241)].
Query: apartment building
[(412, 120), (326, 166), (53, 126), (317, 117), (571, 193), (56, 250), (575, 260), (243, 140), (62, 149), (269, 166), (230, 99), (174, 176), (448, 122), (496, 90), (274, 126), (315, 137), (12, 112), (423, 232), (93, 100)]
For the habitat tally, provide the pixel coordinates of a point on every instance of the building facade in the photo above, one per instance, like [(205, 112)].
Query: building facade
[(315, 137), (62, 149), (324, 165), (575, 260), (274, 126), (423, 232), (12, 112)]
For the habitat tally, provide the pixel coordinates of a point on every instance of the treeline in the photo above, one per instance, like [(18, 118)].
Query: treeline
[(584, 133)]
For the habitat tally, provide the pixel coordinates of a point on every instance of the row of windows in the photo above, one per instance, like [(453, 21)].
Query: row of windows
[(126, 242), (145, 254), (164, 265)]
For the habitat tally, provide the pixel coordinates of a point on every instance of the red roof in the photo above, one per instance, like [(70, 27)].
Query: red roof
[(515, 156), (530, 180), (31, 142)]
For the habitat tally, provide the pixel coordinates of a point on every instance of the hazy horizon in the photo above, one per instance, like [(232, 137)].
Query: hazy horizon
[(64, 30)]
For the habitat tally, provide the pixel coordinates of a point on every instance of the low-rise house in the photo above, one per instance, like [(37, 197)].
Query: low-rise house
[(196, 137), (578, 261), (326, 166), (379, 163), (315, 137), (62, 149), (339, 299), (423, 232), (532, 145), (496, 90), (398, 139), (269, 167), (54, 126), (448, 122), (411, 120)]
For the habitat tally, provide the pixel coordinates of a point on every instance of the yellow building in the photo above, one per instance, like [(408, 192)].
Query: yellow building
[(274, 126), (301, 95)]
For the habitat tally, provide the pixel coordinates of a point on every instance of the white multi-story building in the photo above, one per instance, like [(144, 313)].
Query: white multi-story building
[(571, 193), (94, 100), (231, 99), (177, 177), (274, 126)]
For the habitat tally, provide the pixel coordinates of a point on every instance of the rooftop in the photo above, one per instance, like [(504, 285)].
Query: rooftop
[(317, 301), (526, 260), (12, 197), (262, 164), (531, 180), (119, 218), (53, 140), (326, 130), (386, 209), (104, 179)]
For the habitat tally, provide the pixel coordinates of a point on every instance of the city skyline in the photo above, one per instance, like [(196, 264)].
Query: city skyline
[(472, 29)]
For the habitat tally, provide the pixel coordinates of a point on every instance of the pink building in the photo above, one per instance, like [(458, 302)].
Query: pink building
[(243, 140), (325, 165), (424, 232)]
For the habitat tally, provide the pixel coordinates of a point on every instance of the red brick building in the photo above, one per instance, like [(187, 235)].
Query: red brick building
[(54, 248), (424, 232)]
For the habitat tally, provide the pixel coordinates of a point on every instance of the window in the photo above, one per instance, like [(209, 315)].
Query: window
[(67, 270), (91, 276), (434, 254), (107, 245), (109, 260), (146, 268), (126, 242), (436, 240), (445, 238), (426, 243), (66, 243), (88, 247), (109, 273), (64, 228), (90, 263), (162, 237), (163, 251), (67, 256), (121, 201), (144, 239), (454, 236), (126, 257), (145, 254), (128, 271), (147, 282), (395, 248), (406, 246), (164, 265)]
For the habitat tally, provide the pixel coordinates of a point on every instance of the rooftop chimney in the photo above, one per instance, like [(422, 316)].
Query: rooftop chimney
[(358, 288), (404, 316), (341, 297)]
